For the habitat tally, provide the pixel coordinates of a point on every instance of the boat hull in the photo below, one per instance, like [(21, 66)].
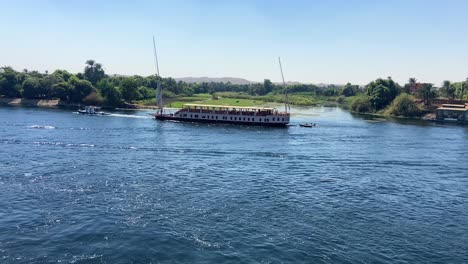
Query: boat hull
[(193, 120), (95, 114)]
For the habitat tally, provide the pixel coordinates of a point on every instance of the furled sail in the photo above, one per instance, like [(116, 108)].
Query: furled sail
[(286, 98), (159, 100)]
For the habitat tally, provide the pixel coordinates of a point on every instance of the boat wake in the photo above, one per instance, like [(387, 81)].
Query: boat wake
[(63, 144), (130, 116), (41, 127)]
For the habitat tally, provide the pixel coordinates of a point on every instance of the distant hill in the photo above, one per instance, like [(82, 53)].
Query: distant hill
[(232, 80)]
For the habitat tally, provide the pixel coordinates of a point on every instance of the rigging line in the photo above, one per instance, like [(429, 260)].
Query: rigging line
[(156, 57)]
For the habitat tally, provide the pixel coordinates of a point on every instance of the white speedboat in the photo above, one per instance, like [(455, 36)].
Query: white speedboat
[(92, 110)]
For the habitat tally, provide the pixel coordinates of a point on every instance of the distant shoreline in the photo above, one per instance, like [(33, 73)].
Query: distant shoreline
[(52, 103), (57, 103), (35, 102)]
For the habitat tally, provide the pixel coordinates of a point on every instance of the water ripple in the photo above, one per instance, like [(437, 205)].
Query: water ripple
[(134, 190)]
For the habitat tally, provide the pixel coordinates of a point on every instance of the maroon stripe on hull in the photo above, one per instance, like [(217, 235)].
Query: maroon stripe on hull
[(164, 117)]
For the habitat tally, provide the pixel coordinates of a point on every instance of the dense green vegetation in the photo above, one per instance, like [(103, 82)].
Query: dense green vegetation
[(384, 96), (94, 86), (404, 105), (362, 104), (382, 92)]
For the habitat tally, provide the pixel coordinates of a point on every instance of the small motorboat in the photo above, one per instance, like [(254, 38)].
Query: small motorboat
[(92, 110), (307, 125)]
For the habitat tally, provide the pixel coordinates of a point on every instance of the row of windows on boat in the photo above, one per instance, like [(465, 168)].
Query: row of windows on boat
[(236, 112), (248, 119)]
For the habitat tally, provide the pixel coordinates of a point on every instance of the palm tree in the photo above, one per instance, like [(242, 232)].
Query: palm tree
[(445, 88), (90, 62), (93, 71), (410, 87)]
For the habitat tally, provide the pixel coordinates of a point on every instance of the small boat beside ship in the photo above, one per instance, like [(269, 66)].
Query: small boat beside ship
[(92, 110), (307, 125)]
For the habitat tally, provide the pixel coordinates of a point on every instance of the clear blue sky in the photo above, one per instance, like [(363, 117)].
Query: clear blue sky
[(333, 41)]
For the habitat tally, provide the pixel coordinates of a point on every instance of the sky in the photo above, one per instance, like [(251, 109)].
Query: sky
[(322, 41)]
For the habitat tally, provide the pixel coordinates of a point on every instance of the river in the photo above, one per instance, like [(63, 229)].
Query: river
[(128, 189)]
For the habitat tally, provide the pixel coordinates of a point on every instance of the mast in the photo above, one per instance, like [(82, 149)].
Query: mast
[(159, 101), (286, 99)]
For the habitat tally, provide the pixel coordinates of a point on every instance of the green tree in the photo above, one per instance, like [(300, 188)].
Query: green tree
[(362, 104), (404, 105), (61, 90), (111, 93), (451, 91), (93, 72), (10, 82), (79, 89), (382, 92), (146, 92), (129, 89), (47, 85), (62, 74), (426, 92), (349, 90), (447, 90), (32, 88), (465, 90), (411, 86), (267, 87), (461, 89)]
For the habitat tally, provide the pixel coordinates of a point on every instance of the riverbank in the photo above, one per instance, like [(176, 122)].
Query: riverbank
[(31, 102), (242, 99), (51, 103), (205, 99)]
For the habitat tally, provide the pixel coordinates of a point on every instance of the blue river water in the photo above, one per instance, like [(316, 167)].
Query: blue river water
[(129, 189)]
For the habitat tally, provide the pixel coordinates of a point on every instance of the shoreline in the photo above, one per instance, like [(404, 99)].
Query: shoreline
[(56, 103), (47, 103)]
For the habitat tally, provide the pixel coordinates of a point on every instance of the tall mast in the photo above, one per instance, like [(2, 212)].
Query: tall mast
[(286, 99), (159, 101), (155, 57)]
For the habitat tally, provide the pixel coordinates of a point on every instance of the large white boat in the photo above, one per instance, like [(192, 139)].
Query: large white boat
[(259, 116)]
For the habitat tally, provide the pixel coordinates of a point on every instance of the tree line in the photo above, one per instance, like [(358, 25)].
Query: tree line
[(386, 94), (94, 86)]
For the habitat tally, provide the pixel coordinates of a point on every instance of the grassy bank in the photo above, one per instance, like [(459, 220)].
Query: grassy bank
[(243, 99), (178, 102)]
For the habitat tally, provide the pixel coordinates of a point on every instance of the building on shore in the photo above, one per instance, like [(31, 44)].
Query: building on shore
[(452, 112)]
